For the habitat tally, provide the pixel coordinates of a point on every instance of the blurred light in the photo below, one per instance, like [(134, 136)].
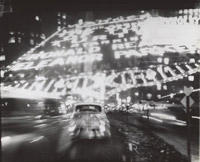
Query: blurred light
[(136, 94), (123, 100), (181, 91), (62, 105), (164, 116), (159, 59), (190, 11), (185, 11), (180, 11), (41, 125), (128, 99), (102, 128), (149, 95), (10, 75), (191, 78), (158, 120), (28, 105), (11, 32), (196, 117), (42, 36), (5, 139), (11, 40), (158, 86), (166, 61), (165, 87), (69, 85), (59, 28), (159, 96), (36, 139), (2, 57), (38, 78), (64, 16), (38, 116), (180, 123), (2, 74), (37, 18), (71, 128), (171, 95)]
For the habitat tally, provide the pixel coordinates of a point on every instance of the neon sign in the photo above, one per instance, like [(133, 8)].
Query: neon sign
[(77, 59), (124, 37), (109, 40)]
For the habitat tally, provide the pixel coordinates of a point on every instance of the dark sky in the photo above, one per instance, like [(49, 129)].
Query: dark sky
[(95, 5)]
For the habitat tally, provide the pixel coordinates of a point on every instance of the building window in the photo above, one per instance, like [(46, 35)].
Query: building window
[(31, 41), (11, 40)]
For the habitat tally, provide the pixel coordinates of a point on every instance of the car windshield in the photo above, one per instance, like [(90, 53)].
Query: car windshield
[(92, 108)]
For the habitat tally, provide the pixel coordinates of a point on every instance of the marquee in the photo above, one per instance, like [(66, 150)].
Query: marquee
[(107, 42)]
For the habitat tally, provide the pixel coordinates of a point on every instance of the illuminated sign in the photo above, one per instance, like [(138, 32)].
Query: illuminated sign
[(95, 84), (91, 44), (114, 39), (57, 61)]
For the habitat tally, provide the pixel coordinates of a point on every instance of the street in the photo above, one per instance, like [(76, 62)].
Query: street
[(51, 142)]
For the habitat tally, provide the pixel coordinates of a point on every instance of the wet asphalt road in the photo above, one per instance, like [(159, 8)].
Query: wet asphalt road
[(105, 150)]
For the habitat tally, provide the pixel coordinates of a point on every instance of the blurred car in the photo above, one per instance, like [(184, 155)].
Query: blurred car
[(89, 121)]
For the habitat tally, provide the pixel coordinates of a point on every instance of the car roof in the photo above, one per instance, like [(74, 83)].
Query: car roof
[(88, 103)]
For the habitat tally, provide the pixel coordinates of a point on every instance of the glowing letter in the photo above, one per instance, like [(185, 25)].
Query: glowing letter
[(118, 46), (94, 49), (43, 63), (23, 65)]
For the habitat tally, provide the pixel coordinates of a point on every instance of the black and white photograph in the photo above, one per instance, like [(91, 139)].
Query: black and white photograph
[(100, 81)]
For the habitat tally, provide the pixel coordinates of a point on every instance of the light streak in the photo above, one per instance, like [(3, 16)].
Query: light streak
[(196, 117), (158, 120), (37, 139), (163, 116)]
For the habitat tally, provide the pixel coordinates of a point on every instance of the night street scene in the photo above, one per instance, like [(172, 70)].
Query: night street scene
[(91, 81)]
